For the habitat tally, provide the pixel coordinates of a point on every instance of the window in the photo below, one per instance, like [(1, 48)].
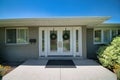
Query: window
[(18, 35), (11, 36), (104, 36), (43, 40), (76, 40), (97, 36), (114, 33)]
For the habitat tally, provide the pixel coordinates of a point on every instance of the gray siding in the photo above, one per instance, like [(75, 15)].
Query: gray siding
[(2, 36), (91, 47), (22, 52), (2, 39), (84, 54)]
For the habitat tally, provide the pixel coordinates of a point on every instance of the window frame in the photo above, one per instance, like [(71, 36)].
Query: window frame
[(17, 36), (102, 34)]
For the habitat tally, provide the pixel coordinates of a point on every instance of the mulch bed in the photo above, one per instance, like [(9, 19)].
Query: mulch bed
[(13, 65)]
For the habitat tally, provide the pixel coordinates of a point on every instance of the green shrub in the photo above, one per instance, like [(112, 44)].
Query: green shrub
[(110, 55)]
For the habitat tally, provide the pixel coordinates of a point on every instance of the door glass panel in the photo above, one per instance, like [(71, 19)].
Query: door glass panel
[(22, 35), (43, 45), (76, 40), (53, 40), (66, 40)]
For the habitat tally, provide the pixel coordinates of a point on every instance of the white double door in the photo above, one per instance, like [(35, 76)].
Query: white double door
[(57, 41)]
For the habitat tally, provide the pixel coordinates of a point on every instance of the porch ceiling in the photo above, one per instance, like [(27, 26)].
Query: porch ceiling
[(53, 21)]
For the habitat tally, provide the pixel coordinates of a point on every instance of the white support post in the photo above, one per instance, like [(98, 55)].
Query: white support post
[(74, 42), (46, 42)]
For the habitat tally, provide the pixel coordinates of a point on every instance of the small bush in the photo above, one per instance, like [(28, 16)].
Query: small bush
[(4, 70), (117, 71)]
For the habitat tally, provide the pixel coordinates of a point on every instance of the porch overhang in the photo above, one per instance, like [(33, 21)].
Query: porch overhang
[(64, 21)]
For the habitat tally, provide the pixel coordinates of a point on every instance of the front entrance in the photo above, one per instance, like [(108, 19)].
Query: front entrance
[(60, 41)]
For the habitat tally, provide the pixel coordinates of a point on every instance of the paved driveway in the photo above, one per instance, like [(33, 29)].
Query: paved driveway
[(84, 70)]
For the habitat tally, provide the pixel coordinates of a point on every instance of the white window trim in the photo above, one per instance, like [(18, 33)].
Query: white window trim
[(16, 36), (102, 34)]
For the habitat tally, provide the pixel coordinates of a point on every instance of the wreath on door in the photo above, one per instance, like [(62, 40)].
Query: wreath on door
[(66, 36), (53, 36)]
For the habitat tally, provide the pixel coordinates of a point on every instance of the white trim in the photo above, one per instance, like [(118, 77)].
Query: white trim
[(60, 39), (75, 53), (43, 53), (17, 43)]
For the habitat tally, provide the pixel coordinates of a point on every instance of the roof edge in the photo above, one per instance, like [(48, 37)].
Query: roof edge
[(62, 17)]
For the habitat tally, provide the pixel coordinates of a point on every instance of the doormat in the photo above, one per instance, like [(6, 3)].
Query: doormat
[(60, 64)]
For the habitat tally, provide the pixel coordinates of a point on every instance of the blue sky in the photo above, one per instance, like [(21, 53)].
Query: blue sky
[(58, 8)]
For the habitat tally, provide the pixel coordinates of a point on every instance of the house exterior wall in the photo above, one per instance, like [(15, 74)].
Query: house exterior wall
[(91, 47), (21, 52), (2, 39), (84, 48)]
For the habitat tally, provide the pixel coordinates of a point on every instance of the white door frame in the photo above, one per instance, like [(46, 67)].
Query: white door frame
[(73, 52)]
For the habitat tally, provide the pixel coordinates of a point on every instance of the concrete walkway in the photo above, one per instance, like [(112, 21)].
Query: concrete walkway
[(36, 70)]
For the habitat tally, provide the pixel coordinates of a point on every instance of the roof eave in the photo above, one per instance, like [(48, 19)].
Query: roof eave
[(53, 21)]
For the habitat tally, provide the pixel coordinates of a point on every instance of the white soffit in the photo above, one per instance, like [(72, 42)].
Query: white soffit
[(53, 21), (106, 25)]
